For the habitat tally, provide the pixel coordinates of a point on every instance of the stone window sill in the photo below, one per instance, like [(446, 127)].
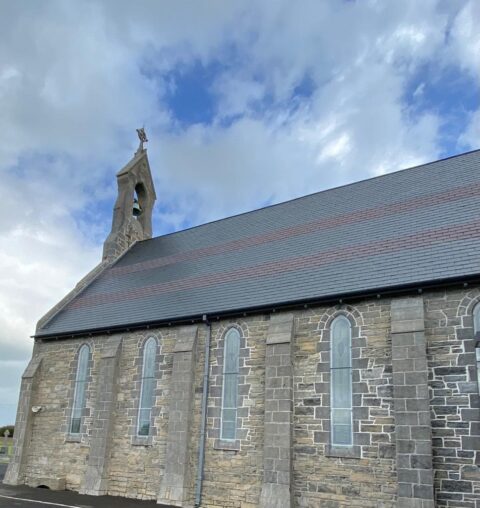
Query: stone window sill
[(142, 441), (73, 438), (353, 452), (222, 444)]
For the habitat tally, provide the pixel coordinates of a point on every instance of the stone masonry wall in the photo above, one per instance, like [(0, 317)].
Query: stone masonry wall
[(130, 233), (51, 453), (234, 471), (137, 463), (367, 479), (454, 398)]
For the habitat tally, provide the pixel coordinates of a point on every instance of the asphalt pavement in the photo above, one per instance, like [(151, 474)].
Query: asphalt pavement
[(27, 497)]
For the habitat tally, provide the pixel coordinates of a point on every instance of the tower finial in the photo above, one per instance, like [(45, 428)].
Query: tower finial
[(143, 139)]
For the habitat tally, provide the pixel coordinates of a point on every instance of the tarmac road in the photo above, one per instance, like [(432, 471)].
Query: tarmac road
[(28, 497)]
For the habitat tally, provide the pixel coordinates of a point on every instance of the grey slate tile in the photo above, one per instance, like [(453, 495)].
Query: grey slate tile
[(372, 234)]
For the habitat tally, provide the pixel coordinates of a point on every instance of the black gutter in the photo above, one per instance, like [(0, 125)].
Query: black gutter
[(417, 287)]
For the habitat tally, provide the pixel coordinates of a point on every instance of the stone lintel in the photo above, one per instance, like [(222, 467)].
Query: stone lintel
[(280, 328), (412, 404), (23, 424), (175, 482), (95, 481), (278, 424)]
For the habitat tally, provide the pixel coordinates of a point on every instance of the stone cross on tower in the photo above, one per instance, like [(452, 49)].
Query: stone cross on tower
[(142, 136)]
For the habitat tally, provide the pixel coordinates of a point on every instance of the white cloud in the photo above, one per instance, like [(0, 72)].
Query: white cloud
[(464, 48), (464, 51), (471, 137), (88, 73)]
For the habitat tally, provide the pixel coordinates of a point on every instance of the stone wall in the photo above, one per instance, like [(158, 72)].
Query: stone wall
[(51, 454), (454, 399), (234, 471), (368, 478), (365, 476), (137, 463)]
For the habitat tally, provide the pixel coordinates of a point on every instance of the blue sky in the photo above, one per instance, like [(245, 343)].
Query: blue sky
[(245, 103)]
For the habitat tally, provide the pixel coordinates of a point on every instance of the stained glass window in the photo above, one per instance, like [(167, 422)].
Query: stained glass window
[(147, 391), (230, 384), (476, 329), (80, 393), (341, 382)]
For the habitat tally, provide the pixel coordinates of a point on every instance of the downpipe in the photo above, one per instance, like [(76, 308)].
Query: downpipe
[(203, 428)]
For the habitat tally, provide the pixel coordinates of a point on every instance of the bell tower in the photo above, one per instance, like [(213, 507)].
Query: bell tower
[(132, 214)]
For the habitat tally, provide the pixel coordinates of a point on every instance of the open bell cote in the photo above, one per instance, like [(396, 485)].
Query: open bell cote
[(132, 214)]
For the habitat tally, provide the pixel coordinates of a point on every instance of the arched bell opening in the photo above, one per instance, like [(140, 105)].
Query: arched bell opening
[(139, 196)]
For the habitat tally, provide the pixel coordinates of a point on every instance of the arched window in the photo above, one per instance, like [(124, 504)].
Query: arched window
[(476, 318), (476, 329), (147, 391), (80, 392), (341, 382), (230, 384)]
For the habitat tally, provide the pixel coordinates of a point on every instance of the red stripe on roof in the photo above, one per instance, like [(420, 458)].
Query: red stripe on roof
[(301, 229), (418, 240)]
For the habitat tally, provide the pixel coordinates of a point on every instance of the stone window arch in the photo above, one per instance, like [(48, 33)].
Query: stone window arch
[(80, 390)]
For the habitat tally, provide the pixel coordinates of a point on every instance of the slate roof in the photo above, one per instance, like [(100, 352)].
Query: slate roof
[(413, 226)]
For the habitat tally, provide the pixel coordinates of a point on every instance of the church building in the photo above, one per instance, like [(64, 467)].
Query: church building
[(322, 352)]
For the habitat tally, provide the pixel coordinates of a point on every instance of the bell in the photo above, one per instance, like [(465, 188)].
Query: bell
[(137, 209)]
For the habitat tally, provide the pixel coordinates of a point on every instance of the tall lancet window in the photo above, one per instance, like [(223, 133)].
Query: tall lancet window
[(476, 329), (80, 392), (230, 384), (147, 392), (341, 382)]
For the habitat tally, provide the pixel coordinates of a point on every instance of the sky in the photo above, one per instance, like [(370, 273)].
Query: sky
[(245, 103)]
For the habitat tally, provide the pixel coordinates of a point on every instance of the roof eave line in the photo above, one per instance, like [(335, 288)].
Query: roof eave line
[(418, 287)]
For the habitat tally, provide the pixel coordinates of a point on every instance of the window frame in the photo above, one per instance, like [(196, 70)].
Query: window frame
[(145, 351), (323, 386), (337, 319), (232, 330), (476, 345), (84, 347), (476, 316)]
